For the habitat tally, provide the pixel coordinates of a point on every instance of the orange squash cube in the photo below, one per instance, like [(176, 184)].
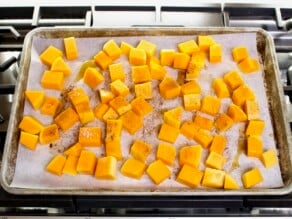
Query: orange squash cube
[(119, 88), (233, 79), (166, 57), (117, 71), (173, 116), (49, 134), (213, 178), (52, 80), (215, 53), (168, 133), (236, 113), (188, 47), (220, 88), (157, 71), (192, 74), (218, 144), (192, 101), (113, 128), (140, 150), (191, 155), (77, 96), (255, 127), (89, 136), (133, 168), (241, 94), (203, 122), (137, 56), (269, 158), (249, 65), (50, 54), (125, 47), (106, 168), (203, 137), (92, 77), (210, 105), (59, 65), (158, 171), (86, 162), (166, 153), (131, 122), (74, 150), (105, 96), (230, 183), (140, 74), (181, 60), (251, 178), (35, 98), (189, 176), (215, 161), (239, 53), (141, 107), (198, 60), (204, 42), (254, 146), (120, 105), (30, 125), (100, 110), (169, 88), (113, 148), (56, 165), (28, 140), (110, 114), (188, 129), (102, 60), (85, 113), (112, 49), (251, 109), (67, 119), (191, 87), (51, 106), (148, 47), (144, 90), (223, 122), (71, 48), (70, 166)]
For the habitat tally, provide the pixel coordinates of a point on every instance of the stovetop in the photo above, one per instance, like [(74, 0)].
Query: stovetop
[(17, 19)]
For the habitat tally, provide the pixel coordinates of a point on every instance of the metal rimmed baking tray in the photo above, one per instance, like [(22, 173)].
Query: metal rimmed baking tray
[(274, 93)]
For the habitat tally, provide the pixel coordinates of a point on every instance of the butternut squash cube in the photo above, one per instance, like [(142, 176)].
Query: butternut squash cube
[(191, 87), (249, 65), (189, 176), (158, 171), (203, 137), (110, 114), (51, 106), (220, 88), (188, 129), (86, 162), (113, 128), (205, 42), (100, 110), (120, 105), (92, 77), (35, 98), (233, 79), (223, 122), (117, 71), (269, 158), (251, 109), (137, 56), (210, 105), (144, 90), (119, 88), (112, 49), (218, 144), (166, 57), (140, 74), (239, 53), (67, 119), (168, 133), (213, 178), (192, 101), (236, 113), (230, 183), (192, 74), (30, 125), (215, 161), (56, 165), (28, 140), (77, 96), (71, 48), (198, 60), (106, 168), (50, 54), (148, 47), (59, 65), (181, 60), (133, 168), (173, 116), (140, 150), (157, 71), (85, 113), (52, 80), (191, 155), (89, 136), (203, 122), (241, 94), (166, 153), (169, 88), (70, 166), (125, 47), (254, 146), (105, 96), (113, 148), (74, 150), (215, 53), (102, 60), (255, 127), (251, 178), (141, 107), (188, 47), (49, 134), (132, 122)]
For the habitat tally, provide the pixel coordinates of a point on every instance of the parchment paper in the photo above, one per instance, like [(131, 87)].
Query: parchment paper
[(30, 166)]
